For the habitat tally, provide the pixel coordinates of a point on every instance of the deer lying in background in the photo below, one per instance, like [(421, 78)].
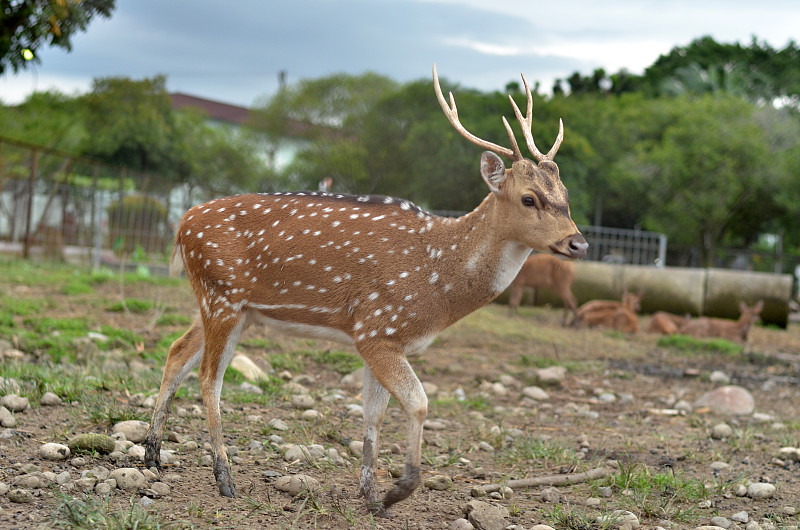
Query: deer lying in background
[(734, 330), (549, 272), (371, 271), (666, 323), (611, 314)]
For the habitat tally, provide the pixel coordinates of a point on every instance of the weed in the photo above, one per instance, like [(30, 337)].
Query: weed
[(690, 344), (542, 453), (94, 512), (564, 516)]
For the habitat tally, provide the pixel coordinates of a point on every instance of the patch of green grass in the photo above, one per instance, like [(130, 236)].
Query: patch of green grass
[(570, 518), (77, 287), (260, 344), (530, 450), (340, 361), (94, 512), (134, 305), (173, 319), (106, 411), (20, 306), (120, 334), (287, 361), (451, 406), (686, 343), (666, 495)]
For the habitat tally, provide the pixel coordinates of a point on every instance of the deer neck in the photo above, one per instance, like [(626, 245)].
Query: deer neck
[(478, 258)]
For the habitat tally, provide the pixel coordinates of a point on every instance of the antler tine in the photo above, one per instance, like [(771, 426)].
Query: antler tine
[(527, 124), (452, 115)]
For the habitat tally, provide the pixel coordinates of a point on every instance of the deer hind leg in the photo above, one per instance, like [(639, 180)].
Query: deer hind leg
[(184, 356), (570, 304), (220, 340), (375, 400), (389, 366), (515, 297)]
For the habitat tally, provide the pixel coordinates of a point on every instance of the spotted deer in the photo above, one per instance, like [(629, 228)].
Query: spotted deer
[(611, 314), (544, 271), (734, 330), (375, 272)]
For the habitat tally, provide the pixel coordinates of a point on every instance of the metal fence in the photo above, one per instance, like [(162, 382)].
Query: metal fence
[(63, 207), (617, 245)]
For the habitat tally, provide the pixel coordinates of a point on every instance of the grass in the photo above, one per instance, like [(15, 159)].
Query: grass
[(684, 343), (532, 451), (95, 512)]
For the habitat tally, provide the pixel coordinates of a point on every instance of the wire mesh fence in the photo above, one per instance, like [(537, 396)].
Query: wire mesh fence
[(617, 245)]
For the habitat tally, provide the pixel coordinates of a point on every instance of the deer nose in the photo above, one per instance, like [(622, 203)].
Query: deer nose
[(577, 246)]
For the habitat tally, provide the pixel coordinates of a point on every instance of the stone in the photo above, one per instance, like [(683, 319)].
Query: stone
[(302, 401), (356, 448), (622, 519), (128, 478), (6, 418), (14, 403), (134, 430), (50, 400), (438, 482), (718, 376), (249, 370), (20, 496), (278, 425), (760, 490), (485, 516), (54, 451), (551, 495), (722, 522), (296, 484), (740, 517), (789, 453), (460, 524), (721, 431), (552, 375), (731, 399), (535, 393)]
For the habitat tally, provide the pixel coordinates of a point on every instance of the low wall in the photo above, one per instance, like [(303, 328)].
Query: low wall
[(710, 292)]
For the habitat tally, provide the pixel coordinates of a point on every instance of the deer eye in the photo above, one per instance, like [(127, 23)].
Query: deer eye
[(529, 201)]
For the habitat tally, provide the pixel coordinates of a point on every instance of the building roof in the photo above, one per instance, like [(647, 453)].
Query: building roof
[(215, 110)]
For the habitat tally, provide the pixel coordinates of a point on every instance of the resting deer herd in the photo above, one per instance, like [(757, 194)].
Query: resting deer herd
[(377, 273)]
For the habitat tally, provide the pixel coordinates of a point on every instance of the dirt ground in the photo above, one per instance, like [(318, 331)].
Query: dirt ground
[(636, 433)]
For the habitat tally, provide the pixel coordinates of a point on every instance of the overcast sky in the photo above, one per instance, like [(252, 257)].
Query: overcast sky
[(233, 51)]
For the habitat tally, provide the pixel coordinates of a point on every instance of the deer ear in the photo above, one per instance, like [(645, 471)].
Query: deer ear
[(493, 171)]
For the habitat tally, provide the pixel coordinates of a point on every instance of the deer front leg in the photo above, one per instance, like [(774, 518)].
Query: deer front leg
[(184, 356), (220, 342), (375, 400), (390, 367)]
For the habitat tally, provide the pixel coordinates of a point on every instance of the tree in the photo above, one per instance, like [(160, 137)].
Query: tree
[(28, 25)]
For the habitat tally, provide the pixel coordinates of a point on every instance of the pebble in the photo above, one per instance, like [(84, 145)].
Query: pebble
[(14, 403), (733, 400), (20, 496), (6, 418), (54, 451), (740, 517), (760, 490), (134, 430), (302, 401), (356, 447), (552, 375), (296, 484), (718, 376), (438, 482), (721, 522), (311, 415), (460, 524), (278, 425), (721, 431), (486, 516), (50, 400), (535, 393), (620, 519), (128, 478)]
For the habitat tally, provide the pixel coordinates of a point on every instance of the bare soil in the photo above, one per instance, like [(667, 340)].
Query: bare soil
[(635, 434)]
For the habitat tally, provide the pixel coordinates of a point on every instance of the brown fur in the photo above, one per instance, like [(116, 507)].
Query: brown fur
[(543, 271), (374, 272), (611, 314), (734, 330), (666, 323)]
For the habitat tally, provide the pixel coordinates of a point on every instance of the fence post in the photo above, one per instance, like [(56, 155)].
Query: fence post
[(662, 250), (26, 244)]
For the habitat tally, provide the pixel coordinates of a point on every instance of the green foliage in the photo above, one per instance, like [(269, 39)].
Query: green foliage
[(134, 305), (33, 24), (690, 344), (90, 511), (340, 361)]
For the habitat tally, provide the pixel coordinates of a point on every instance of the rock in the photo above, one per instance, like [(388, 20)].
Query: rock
[(719, 377), (14, 403), (50, 400), (460, 524), (740, 517), (278, 425), (20, 496), (91, 442), (249, 370), (134, 430), (622, 519), (541, 527), (250, 388), (721, 431), (551, 495), (552, 375), (356, 447), (484, 516), (760, 490), (789, 453), (535, 393), (30, 482), (54, 451), (353, 380), (733, 400), (438, 482), (6, 418), (721, 522), (296, 484), (311, 415), (128, 478), (302, 401)]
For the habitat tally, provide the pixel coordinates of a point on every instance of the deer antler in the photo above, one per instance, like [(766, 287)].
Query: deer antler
[(452, 114), (526, 123)]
